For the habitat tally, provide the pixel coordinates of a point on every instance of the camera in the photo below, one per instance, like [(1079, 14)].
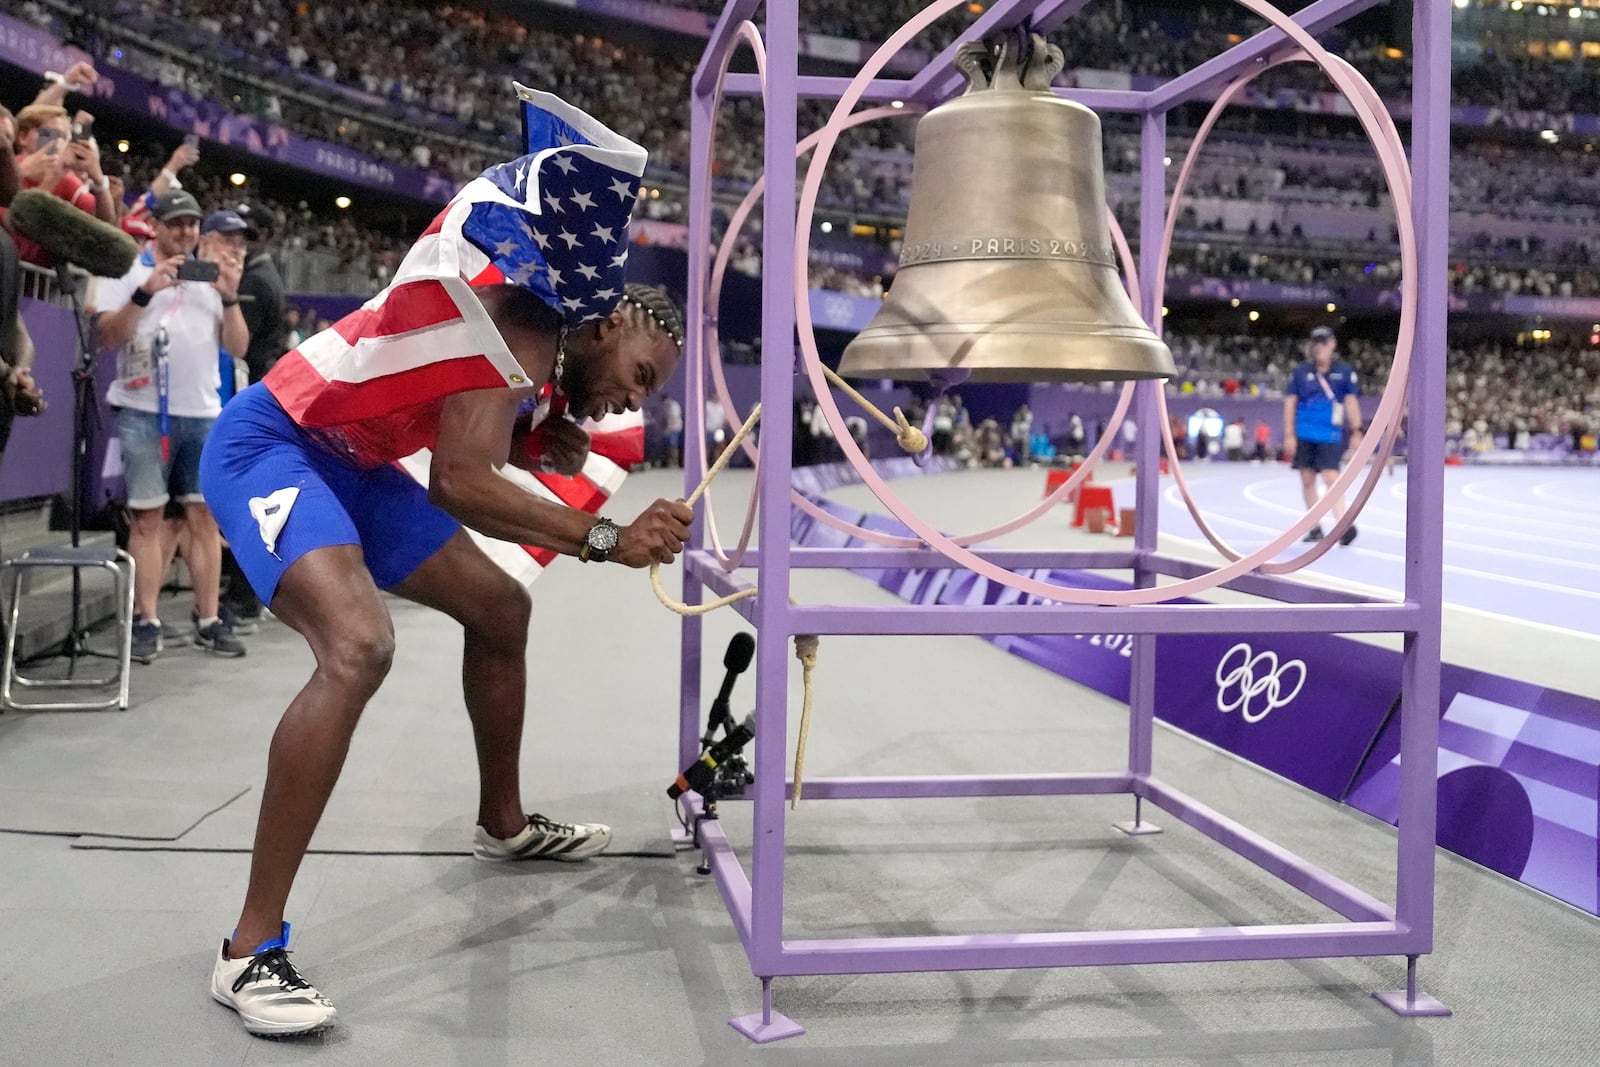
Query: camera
[(199, 270)]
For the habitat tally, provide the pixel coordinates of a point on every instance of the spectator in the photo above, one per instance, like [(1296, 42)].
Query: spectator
[(672, 417), (293, 334), (157, 318), (47, 158), (261, 290), (1233, 440), (1263, 441)]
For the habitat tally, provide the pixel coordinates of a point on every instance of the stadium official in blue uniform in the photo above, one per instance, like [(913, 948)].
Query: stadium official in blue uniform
[(1320, 407)]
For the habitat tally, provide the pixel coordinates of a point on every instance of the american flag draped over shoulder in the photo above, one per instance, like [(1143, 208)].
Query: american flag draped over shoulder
[(555, 222)]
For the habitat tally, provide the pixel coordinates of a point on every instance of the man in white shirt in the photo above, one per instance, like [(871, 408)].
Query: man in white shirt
[(169, 329)]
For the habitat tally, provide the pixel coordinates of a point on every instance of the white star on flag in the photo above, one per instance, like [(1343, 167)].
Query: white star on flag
[(542, 241), (605, 294), (588, 272), (624, 190), (505, 248), (522, 174), (584, 201), (554, 202), (570, 238), (602, 232), (555, 276), (572, 303), (620, 261), (566, 165)]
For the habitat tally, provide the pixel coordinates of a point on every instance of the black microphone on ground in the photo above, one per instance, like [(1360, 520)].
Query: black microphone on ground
[(741, 650), (72, 235)]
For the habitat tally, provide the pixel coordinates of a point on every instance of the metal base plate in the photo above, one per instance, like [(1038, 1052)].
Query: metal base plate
[(681, 838), (1136, 829), (779, 1027), (1396, 1002)]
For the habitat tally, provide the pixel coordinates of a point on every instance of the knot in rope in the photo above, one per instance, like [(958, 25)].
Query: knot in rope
[(805, 649)]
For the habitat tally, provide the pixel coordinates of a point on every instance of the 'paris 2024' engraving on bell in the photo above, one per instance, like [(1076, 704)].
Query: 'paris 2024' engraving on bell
[(1007, 248)]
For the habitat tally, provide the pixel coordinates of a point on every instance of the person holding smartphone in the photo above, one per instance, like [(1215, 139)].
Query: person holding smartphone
[(168, 316), (48, 158)]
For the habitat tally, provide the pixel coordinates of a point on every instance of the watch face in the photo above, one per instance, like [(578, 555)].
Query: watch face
[(603, 536)]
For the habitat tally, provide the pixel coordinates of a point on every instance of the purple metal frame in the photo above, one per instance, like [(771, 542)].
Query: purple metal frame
[(755, 899)]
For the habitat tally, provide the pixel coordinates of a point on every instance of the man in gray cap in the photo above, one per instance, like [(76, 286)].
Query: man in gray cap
[(1319, 405), (168, 324)]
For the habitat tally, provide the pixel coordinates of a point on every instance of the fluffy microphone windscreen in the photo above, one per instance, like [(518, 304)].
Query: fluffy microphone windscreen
[(71, 235)]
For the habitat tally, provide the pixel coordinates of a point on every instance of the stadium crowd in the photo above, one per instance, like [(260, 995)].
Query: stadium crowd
[(425, 90)]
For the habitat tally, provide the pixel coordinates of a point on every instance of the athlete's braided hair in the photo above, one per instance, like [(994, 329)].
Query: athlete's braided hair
[(655, 305)]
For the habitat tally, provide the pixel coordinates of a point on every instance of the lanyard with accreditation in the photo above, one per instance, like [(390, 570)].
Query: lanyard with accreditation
[(1327, 391)]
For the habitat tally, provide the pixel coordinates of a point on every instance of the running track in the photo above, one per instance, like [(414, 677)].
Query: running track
[(1520, 542)]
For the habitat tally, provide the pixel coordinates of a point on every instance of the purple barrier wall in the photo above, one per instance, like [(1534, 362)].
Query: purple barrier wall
[(1519, 766), (38, 461)]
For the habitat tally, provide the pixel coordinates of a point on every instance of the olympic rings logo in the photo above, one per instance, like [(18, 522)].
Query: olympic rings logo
[(1244, 675)]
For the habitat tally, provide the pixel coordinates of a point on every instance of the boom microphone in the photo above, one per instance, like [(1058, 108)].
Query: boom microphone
[(72, 235)]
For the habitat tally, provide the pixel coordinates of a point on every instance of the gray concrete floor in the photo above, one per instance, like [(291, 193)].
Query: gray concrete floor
[(106, 942)]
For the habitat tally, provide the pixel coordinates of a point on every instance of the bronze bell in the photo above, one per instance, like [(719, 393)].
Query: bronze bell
[(1007, 272)]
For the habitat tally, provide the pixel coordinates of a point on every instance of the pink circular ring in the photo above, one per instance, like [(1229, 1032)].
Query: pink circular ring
[(1374, 121), (747, 32), (1387, 439)]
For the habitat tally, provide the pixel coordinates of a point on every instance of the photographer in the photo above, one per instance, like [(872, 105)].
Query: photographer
[(169, 314), (48, 157)]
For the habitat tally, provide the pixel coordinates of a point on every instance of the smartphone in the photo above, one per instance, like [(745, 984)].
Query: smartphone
[(47, 134), (192, 140), (199, 270), (82, 131)]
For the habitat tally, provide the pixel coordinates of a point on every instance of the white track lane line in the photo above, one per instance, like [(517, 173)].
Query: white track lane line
[(1590, 543), (1251, 494), (1502, 506), (1450, 568), (1206, 554), (1591, 505)]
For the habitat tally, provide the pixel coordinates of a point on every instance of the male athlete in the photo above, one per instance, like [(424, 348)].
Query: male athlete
[(516, 285)]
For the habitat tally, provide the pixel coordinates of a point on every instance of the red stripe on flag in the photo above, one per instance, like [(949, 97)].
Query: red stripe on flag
[(542, 556), (409, 306), (437, 224), (622, 447), (490, 275), (315, 402), (575, 492)]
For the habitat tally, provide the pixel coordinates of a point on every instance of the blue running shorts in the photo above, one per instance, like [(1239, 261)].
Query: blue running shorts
[(265, 478)]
